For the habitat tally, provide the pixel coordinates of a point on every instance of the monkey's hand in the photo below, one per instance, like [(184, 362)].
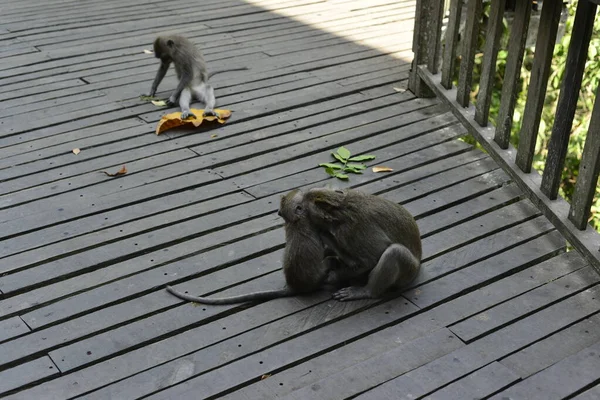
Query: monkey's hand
[(352, 293), (171, 101), (187, 114)]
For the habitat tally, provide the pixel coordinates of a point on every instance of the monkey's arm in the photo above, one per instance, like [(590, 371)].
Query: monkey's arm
[(187, 75), (160, 74), (266, 295)]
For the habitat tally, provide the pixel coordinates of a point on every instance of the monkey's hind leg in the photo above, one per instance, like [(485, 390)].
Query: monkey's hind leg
[(396, 266), (184, 104), (206, 94)]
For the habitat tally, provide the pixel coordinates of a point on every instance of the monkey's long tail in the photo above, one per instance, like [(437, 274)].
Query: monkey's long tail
[(265, 295), (211, 74)]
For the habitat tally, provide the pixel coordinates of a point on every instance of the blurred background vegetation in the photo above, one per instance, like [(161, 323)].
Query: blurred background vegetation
[(591, 79)]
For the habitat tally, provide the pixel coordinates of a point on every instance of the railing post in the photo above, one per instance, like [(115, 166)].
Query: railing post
[(512, 73), (451, 41), (471, 34), (536, 93), (488, 68), (585, 188), (420, 47), (567, 101)]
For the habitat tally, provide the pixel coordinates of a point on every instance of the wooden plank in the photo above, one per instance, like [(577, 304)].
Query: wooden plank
[(202, 377), (469, 46), (512, 73), (405, 169), (480, 384), (272, 167), (567, 100), (84, 262), (587, 177), (451, 40), (38, 297), (448, 240), (121, 317), (543, 354), (566, 377), (536, 92), (27, 374), (461, 362), (532, 252), (488, 67), (594, 392), (445, 314), (503, 314), (12, 327)]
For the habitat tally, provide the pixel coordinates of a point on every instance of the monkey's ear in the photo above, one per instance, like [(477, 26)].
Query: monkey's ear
[(170, 43)]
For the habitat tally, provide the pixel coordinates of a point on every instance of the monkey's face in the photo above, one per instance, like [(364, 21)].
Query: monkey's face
[(162, 49)]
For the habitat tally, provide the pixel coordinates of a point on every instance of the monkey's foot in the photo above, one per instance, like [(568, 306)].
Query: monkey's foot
[(352, 293), (187, 114), (210, 113), (170, 102)]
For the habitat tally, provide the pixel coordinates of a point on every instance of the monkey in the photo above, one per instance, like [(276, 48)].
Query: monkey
[(372, 237), (307, 265), (191, 73)]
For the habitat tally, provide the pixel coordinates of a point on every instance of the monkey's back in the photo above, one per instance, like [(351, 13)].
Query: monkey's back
[(374, 223), (302, 257)]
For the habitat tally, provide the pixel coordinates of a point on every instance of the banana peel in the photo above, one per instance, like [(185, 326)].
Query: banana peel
[(174, 120)]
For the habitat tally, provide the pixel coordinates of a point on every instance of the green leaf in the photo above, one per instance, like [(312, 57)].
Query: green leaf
[(343, 152), (354, 170), (356, 166), (365, 157), (339, 158), (330, 171), (330, 165), (341, 176)]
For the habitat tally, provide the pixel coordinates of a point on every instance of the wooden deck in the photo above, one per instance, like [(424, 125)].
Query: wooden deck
[(500, 310)]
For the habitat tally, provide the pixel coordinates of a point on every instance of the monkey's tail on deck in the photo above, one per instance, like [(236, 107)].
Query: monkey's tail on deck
[(211, 74), (265, 295)]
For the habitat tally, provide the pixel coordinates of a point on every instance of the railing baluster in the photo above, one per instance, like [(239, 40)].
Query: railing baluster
[(585, 188), (435, 35), (512, 72), (567, 101), (465, 75), (420, 48), (536, 94), (488, 68), (450, 45)]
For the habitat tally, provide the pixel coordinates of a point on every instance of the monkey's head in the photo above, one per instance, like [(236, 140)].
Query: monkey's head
[(291, 208), (323, 205), (163, 48)]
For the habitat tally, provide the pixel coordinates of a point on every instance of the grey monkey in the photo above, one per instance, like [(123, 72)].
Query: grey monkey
[(191, 72), (370, 235), (307, 265)]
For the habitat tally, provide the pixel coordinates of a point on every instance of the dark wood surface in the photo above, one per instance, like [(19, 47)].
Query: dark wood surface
[(498, 309)]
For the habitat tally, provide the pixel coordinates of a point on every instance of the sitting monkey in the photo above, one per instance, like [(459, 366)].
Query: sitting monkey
[(370, 235)]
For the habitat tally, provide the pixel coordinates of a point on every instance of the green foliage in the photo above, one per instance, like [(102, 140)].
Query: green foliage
[(591, 79), (343, 155)]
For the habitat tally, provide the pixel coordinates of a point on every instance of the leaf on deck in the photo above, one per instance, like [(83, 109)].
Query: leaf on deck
[(120, 172), (174, 120)]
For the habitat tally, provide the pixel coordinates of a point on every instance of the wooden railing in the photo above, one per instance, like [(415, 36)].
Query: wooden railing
[(426, 81)]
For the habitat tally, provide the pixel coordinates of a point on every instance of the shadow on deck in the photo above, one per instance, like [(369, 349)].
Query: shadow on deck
[(499, 304)]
